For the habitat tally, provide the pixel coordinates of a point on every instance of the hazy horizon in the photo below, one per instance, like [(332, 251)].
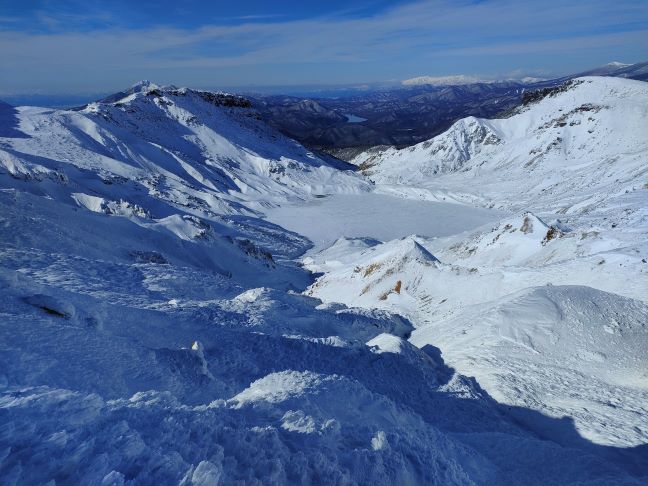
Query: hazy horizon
[(74, 47)]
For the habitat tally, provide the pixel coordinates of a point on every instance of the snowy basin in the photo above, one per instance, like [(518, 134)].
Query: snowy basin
[(379, 216)]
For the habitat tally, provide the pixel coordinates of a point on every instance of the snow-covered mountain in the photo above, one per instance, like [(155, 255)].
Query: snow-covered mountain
[(461, 79), (445, 153), (155, 328), (443, 80), (517, 302), (587, 136), (619, 69), (195, 149)]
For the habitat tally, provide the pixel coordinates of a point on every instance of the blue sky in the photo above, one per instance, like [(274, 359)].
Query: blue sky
[(75, 46)]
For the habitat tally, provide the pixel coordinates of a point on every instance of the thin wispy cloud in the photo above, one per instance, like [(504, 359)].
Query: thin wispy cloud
[(257, 17), (428, 37)]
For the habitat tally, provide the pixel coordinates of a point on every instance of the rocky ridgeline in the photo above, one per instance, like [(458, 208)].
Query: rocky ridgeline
[(529, 97)]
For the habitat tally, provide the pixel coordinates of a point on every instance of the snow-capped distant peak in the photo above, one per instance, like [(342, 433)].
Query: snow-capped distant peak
[(463, 79), (531, 80), (443, 80), (144, 85), (618, 64)]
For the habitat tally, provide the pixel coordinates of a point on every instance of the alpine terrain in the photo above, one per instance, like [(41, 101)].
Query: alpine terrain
[(191, 297)]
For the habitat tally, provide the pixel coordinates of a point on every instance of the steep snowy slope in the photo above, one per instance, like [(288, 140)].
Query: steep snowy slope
[(194, 149), (191, 166), (448, 152), (582, 142)]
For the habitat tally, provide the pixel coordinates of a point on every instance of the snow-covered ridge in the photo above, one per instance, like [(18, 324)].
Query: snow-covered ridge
[(556, 146), (179, 144), (445, 153), (461, 79), (181, 164), (525, 305), (531, 305)]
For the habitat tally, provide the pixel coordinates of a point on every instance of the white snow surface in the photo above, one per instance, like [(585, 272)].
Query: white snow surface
[(590, 138), (376, 215), (546, 307), (460, 79), (156, 329)]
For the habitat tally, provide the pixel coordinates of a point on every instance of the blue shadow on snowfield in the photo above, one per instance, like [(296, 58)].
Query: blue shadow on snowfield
[(9, 122)]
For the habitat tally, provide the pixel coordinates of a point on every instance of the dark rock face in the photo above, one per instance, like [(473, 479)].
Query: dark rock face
[(224, 99), (529, 97)]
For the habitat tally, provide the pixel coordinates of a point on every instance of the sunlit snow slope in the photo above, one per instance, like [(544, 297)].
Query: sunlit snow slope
[(548, 307), (582, 143)]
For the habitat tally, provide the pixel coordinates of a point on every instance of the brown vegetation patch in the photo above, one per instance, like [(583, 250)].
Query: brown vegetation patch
[(371, 268), (552, 233), (527, 225)]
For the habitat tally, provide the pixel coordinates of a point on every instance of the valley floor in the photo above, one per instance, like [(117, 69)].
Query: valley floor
[(375, 215)]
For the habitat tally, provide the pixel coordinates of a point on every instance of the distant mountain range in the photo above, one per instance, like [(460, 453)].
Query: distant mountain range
[(420, 109), (461, 79), (346, 121)]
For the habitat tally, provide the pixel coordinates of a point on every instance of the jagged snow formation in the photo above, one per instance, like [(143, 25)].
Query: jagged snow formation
[(152, 329)]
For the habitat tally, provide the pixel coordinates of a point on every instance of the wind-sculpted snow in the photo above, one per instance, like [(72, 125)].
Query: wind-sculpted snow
[(562, 346), (155, 330)]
